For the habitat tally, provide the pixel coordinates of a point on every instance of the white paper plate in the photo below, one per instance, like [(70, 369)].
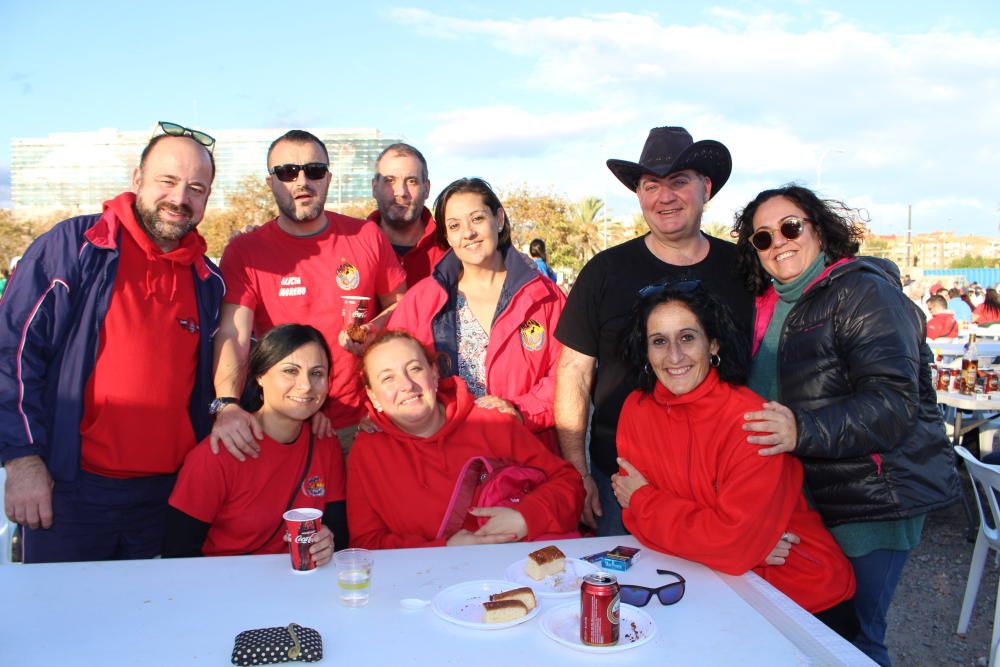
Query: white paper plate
[(463, 604), (563, 625), (560, 585)]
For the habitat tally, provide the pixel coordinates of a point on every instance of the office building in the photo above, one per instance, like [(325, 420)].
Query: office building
[(76, 171)]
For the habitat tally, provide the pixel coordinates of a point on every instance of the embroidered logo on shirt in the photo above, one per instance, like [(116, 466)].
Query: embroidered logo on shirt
[(348, 276), (292, 286), (314, 487), (191, 326), (532, 336)]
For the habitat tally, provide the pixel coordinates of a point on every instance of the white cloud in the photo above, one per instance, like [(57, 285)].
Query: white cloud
[(915, 113), (512, 131)]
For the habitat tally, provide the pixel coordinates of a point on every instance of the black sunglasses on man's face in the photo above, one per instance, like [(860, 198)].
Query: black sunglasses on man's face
[(287, 173)]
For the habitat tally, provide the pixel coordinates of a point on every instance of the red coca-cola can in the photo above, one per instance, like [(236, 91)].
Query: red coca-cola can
[(600, 597), (991, 383), (302, 523), (955, 382)]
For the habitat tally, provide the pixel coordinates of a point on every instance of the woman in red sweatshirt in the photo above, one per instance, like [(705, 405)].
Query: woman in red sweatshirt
[(697, 492), (400, 479)]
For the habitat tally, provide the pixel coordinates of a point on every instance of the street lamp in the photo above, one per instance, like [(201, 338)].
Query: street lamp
[(819, 163)]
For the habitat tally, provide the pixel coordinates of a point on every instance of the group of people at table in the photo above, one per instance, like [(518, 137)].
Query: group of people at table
[(761, 405)]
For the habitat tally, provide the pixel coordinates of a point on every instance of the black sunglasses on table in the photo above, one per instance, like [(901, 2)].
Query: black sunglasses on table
[(175, 130), (287, 173), (639, 596)]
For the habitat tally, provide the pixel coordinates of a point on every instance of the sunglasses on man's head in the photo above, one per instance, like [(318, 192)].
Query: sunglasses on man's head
[(175, 130), (684, 286), (287, 173), (791, 229), (639, 596)]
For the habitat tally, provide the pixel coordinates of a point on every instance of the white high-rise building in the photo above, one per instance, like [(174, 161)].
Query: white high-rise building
[(76, 172)]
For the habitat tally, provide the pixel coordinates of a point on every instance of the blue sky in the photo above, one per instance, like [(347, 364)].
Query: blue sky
[(887, 103)]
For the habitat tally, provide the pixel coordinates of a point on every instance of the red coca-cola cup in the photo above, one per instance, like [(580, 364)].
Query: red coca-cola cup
[(302, 524)]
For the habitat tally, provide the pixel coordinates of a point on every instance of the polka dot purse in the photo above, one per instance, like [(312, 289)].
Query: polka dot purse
[(269, 645)]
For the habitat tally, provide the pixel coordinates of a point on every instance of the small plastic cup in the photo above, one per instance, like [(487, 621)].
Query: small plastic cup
[(355, 312), (302, 524), (354, 576)]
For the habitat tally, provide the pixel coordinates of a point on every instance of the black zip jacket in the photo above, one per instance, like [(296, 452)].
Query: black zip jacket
[(854, 367)]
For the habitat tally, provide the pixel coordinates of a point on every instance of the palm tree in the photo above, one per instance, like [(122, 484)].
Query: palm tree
[(589, 239)]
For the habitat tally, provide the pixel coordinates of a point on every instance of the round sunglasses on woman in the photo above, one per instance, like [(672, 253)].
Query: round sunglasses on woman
[(790, 228)]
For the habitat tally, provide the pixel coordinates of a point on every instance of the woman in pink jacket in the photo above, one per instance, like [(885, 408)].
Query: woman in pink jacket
[(487, 310)]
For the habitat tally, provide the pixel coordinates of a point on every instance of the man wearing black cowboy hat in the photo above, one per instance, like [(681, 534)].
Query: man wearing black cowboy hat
[(673, 179)]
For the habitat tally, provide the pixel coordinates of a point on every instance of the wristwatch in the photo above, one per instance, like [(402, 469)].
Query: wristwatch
[(217, 404)]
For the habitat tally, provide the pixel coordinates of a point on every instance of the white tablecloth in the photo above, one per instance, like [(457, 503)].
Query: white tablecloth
[(187, 612)]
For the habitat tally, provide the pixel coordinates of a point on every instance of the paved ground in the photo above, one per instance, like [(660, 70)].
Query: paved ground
[(924, 614)]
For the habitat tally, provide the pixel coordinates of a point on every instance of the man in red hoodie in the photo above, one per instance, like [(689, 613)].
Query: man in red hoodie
[(106, 387), (942, 323), (400, 188)]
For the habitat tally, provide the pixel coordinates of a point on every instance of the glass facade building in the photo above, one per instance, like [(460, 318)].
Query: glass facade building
[(77, 171)]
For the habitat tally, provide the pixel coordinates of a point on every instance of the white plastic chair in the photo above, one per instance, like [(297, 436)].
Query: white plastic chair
[(6, 527), (985, 484)]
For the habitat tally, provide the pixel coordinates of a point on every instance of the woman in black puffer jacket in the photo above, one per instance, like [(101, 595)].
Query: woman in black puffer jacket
[(841, 354)]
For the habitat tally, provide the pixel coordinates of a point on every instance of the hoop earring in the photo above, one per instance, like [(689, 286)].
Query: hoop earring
[(714, 361)]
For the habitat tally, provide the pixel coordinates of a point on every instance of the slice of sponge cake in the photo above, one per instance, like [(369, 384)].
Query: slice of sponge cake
[(545, 562), (502, 611), (524, 594)]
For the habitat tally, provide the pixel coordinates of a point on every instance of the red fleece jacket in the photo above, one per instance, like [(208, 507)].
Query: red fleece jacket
[(399, 485), (713, 499), (523, 353)]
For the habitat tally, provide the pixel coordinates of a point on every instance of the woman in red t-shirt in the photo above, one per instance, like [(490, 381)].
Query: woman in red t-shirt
[(688, 484), (221, 506)]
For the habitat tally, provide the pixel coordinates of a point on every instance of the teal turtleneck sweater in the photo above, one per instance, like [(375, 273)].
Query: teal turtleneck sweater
[(764, 367)]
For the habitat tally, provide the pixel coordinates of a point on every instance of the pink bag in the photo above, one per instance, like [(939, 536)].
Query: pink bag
[(488, 482)]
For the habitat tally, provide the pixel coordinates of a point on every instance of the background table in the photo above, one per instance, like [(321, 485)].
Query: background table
[(988, 405), (187, 612), (984, 348)]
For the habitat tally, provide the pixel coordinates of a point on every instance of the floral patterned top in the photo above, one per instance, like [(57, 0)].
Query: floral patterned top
[(472, 342)]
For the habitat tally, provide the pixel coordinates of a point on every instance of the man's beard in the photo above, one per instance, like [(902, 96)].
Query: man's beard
[(159, 230), (296, 214), (409, 216)]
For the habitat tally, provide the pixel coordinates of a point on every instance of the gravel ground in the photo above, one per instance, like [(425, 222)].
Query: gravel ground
[(924, 613)]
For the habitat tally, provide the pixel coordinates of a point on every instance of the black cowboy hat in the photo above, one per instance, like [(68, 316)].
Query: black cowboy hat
[(670, 149)]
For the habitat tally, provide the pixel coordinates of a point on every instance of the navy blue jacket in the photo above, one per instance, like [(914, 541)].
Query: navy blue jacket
[(51, 316)]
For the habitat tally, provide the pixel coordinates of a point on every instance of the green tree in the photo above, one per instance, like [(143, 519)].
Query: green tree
[(876, 247), (15, 237), (357, 209), (968, 261), (639, 226), (16, 233), (252, 204), (589, 237), (718, 230), (543, 215)]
